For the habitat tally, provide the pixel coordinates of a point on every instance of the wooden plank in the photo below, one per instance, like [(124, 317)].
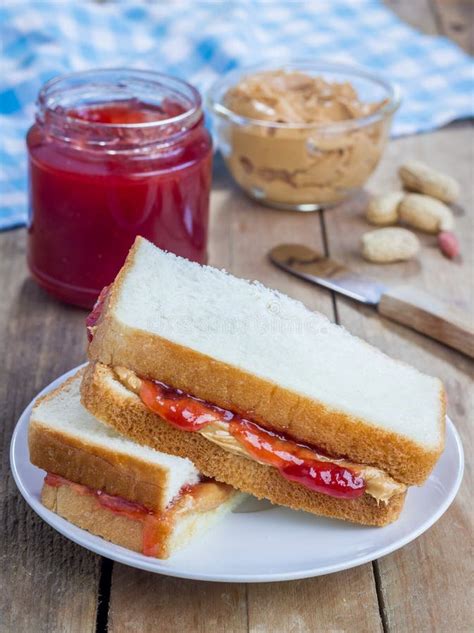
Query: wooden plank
[(418, 14), (48, 583), (337, 603), (455, 19), (147, 603), (423, 585), (449, 150), (253, 231)]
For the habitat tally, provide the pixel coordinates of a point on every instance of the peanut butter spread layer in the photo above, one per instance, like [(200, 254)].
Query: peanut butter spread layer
[(378, 483), (203, 497), (294, 97), (299, 165)]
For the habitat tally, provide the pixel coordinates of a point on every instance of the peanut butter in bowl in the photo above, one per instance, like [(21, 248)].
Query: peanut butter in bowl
[(297, 138)]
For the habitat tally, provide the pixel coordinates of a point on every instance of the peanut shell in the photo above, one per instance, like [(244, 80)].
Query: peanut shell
[(383, 210), (425, 213), (392, 244), (417, 176)]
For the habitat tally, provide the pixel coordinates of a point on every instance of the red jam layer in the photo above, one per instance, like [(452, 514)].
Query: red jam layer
[(93, 318), (296, 462), (122, 507)]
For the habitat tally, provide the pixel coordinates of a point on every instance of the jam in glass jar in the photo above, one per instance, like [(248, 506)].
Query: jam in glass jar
[(114, 154)]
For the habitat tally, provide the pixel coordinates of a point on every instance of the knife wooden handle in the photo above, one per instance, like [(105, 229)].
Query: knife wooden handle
[(435, 318)]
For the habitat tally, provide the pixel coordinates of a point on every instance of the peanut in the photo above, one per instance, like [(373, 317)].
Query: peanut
[(389, 245), (383, 210), (425, 213), (416, 176), (448, 244)]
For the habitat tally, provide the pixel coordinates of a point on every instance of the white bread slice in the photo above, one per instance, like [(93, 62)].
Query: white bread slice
[(259, 353), (65, 439), (122, 409), (86, 513)]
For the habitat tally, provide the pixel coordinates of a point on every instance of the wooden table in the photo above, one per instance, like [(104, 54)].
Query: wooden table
[(52, 585)]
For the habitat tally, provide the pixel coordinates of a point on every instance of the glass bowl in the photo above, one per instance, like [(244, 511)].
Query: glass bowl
[(304, 166)]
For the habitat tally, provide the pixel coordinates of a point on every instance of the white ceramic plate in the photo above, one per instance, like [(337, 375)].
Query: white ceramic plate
[(264, 543)]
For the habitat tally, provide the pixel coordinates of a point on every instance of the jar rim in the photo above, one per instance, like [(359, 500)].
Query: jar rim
[(177, 86)]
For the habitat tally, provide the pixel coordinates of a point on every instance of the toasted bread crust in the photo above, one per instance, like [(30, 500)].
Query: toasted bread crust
[(84, 511), (125, 412), (261, 400), (97, 468)]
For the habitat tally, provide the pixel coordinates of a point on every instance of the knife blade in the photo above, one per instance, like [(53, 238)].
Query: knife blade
[(433, 317), (303, 262)]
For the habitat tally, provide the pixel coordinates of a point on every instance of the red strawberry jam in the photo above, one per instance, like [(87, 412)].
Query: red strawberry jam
[(296, 462)]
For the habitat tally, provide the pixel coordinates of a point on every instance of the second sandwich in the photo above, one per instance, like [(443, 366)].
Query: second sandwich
[(129, 494)]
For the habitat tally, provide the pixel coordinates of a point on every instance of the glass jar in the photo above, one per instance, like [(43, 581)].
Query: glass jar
[(308, 159), (114, 154)]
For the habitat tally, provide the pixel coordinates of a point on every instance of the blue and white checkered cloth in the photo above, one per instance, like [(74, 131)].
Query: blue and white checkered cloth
[(200, 40)]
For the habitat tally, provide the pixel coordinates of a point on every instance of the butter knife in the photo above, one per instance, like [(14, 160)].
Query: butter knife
[(416, 309)]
